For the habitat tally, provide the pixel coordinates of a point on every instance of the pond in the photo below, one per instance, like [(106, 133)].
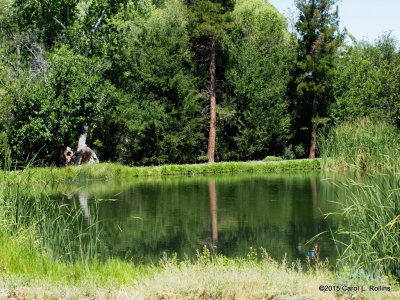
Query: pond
[(142, 218)]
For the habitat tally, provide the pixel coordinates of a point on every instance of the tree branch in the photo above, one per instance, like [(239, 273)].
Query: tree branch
[(97, 24), (60, 23)]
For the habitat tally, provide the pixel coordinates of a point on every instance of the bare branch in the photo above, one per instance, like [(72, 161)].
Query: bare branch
[(97, 24), (60, 23), (100, 101)]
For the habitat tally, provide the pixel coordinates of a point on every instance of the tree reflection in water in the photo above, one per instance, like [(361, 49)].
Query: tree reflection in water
[(212, 191)]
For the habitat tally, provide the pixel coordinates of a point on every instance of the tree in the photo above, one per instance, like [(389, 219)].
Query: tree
[(159, 112), (318, 39), (51, 110), (367, 81), (209, 21), (261, 55), (50, 18)]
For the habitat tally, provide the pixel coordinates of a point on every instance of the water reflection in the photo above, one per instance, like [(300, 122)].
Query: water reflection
[(314, 201), (83, 197), (214, 210), (147, 217)]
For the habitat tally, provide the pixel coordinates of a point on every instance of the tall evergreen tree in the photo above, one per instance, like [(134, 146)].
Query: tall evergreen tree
[(262, 53), (210, 19), (319, 38)]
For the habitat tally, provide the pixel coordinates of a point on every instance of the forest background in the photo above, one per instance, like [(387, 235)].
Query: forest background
[(142, 75)]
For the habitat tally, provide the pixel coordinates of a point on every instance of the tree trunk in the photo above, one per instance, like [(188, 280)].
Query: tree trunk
[(313, 146), (213, 115), (82, 138)]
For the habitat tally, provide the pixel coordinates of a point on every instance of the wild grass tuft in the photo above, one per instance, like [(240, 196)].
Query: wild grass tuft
[(362, 144), (371, 232)]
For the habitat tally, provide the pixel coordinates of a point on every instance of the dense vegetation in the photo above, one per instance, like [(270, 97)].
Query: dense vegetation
[(372, 211), (362, 143), (181, 82), (141, 75)]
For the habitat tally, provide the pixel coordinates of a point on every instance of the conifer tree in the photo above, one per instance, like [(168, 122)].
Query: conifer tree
[(319, 38), (210, 20)]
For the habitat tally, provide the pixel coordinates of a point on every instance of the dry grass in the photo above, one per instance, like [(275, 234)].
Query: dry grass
[(233, 279), (209, 276), (219, 278)]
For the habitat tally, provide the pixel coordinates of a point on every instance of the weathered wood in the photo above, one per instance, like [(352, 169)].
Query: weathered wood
[(64, 156), (84, 154)]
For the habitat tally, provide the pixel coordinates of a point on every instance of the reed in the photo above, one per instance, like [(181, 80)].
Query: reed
[(371, 232), (361, 144), (59, 227)]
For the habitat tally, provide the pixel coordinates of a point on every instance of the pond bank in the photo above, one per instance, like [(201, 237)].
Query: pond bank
[(27, 274), (115, 170), (29, 271)]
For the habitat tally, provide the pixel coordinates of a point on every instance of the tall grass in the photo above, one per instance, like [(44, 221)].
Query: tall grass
[(371, 233), (59, 228), (362, 144), (371, 208)]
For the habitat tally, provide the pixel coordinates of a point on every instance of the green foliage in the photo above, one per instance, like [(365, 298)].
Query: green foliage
[(209, 19), (48, 17), (368, 81), (137, 72), (160, 110), (261, 55), (362, 143), (291, 152), (318, 41), (51, 110), (372, 211)]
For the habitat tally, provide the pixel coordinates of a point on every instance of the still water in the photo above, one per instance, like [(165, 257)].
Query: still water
[(143, 218)]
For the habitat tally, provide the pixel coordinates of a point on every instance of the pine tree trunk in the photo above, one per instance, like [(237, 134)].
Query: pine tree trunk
[(213, 115), (313, 146)]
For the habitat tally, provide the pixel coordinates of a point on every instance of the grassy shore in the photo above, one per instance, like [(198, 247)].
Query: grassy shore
[(115, 170), (30, 270), (25, 273)]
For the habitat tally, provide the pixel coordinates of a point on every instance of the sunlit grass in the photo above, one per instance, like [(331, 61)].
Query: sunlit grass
[(362, 144), (208, 276), (371, 233), (115, 170)]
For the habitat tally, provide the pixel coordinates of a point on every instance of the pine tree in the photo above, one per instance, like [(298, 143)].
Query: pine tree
[(319, 38), (210, 19)]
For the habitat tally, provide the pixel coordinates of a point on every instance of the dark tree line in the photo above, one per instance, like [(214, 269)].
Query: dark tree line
[(183, 81)]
